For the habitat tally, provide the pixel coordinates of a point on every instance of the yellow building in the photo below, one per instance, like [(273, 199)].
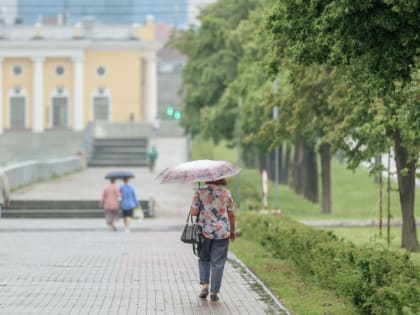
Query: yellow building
[(66, 76)]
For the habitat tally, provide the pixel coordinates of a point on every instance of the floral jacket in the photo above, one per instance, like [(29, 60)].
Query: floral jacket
[(213, 202)]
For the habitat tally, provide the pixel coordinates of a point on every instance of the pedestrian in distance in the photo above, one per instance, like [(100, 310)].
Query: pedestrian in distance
[(110, 202), (4, 191), (128, 203), (214, 206), (151, 157), (156, 126)]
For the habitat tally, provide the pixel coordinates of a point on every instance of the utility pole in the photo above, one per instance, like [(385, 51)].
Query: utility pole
[(380, 198), (388, 204), (276, 150), (238, 128)]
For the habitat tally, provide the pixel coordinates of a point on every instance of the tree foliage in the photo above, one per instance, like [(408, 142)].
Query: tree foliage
[(376, 43), (213, 52)]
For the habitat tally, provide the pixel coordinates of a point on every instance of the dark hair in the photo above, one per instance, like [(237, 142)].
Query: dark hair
[(112, 180), (221, 181)]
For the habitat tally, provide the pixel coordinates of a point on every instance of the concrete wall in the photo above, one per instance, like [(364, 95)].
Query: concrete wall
[(24, 146), (168, 129), (21, 174)]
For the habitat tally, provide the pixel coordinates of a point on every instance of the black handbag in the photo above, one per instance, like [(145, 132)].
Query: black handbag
[(193, 234)]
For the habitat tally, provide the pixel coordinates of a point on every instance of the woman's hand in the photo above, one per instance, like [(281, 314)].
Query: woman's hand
[(194, 211), (232, 235)]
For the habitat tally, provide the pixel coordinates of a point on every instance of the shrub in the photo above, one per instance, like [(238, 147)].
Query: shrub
[(376, 280)]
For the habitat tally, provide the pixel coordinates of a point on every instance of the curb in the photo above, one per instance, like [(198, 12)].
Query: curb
[(273, 297)]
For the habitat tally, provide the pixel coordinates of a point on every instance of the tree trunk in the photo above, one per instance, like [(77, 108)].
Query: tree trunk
[(286, 166), (406, 173), (280, 170), (305, 171), (298, 166), (257, 159), (326, 177), (311, 174), (269, 165)]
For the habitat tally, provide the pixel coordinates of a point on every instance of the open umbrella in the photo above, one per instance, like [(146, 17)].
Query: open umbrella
[(198, 171), (119, 175)]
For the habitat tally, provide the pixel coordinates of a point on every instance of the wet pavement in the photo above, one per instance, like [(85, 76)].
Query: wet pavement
[(80, 267)]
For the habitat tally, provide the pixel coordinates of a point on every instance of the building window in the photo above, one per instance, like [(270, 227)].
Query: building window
[(59, 70), (100, 71), (17, 112), (101, 108), (59, 111), (17, 70)]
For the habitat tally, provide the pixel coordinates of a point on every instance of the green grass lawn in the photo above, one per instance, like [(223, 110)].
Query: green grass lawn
[(285, 282), (354, 193), (370, 236)]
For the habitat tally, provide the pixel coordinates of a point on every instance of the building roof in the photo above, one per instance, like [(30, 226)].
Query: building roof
[(60, 32)]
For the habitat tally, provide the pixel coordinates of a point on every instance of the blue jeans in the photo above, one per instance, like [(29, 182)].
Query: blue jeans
[(212, 260)]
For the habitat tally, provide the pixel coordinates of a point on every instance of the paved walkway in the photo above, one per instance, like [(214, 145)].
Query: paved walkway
[(353, 222), (79, 267)]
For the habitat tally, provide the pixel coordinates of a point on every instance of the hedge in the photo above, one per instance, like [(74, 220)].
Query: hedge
[(377, 280)]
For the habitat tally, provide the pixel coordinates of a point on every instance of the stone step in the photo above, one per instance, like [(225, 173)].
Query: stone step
[(118, 156), (121, 142), (117, 163), (61, 204), (51, 213), (64, 208), (119, 152), (54, 204), (113, 149)]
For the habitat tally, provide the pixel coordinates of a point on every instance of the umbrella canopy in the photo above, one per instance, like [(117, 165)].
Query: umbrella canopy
[(198, 171), (119, 175)]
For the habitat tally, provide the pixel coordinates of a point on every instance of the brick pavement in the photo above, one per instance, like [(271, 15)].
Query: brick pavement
[(79, 267)]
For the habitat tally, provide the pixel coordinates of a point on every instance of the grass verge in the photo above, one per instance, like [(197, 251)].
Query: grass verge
[(286, 283), (369, 236), (354, 193)]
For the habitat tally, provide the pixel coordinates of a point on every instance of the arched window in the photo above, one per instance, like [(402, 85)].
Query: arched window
[(17, 109), (101, 105), (59, 108)]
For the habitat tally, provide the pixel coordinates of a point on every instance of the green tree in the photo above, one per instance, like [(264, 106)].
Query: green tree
[(213, 53), (376, 42)]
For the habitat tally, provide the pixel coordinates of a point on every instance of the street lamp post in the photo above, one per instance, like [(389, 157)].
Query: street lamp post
[(276, 151), (238, 185)]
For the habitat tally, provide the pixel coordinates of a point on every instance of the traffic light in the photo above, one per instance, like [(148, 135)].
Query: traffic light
[(169, 111), (177, 115)]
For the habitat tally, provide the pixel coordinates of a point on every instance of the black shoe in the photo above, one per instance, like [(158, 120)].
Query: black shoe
[(214, 297), (204, 292)]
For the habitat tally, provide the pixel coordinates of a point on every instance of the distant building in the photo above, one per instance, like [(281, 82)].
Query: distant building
[(172, 12), (8, 12), (171, 65), (65, 76)]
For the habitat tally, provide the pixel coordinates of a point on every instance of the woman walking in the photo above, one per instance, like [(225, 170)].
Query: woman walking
[(214, 206), (110, 202), (129, 201)]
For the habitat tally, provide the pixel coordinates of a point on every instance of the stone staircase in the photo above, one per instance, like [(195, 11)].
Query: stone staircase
[(64, 209), (119, 152)]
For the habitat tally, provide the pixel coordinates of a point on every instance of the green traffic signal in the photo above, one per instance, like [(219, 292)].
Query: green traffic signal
[(170, 111), (177, 115)]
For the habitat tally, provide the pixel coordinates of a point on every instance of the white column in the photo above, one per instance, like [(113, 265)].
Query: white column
[(38, 94), (1, 95), (78, 119), (151, 79)]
